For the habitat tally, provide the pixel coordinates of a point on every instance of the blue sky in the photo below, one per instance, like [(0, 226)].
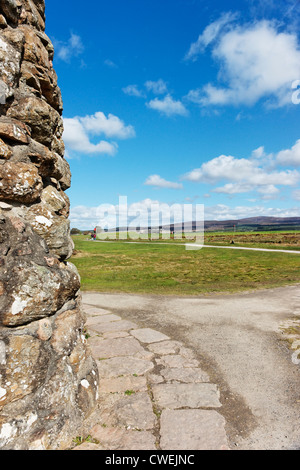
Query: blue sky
[(180, 101)]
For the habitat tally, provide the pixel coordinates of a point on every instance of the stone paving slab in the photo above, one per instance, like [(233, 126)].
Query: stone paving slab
[(133, 411), (165, 347), (115, 334), (108, 348), (122, 384), (118, 366), (113, 326), (95, 311), (191, 395), (185, 374), (192, 430), (99, 319), (121, 439), (152, 393), (147, 335), (176, 361)]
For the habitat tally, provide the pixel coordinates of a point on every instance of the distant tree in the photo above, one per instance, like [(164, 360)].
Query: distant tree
[(75, 231)]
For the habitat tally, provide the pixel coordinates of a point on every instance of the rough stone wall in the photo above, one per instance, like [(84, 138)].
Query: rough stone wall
[(48, 379)]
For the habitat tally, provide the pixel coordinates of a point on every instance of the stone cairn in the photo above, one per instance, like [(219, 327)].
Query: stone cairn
[(48, 378)]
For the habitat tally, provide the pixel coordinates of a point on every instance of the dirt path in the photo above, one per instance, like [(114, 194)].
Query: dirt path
[(239, 343)]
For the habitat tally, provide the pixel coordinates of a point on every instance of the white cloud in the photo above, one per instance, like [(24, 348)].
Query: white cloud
[(168, 106), (159, 87), (259, 173), (224, 212), (256, 62), (290, 156), (210, 33), (158, 182), (133, 90), (78, 132), (268, 191), (76, 139), (110, 126), (219, 168), (67, 50), (240, 170), (234, 188), (258, 153)]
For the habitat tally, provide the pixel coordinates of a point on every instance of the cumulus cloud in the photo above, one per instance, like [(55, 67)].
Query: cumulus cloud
[(227, 167), (168, 106), (80, 131), (67, 50), (260, 173), (290, 156), (77, 139), (110, 126), (257, 61), (158, 182)]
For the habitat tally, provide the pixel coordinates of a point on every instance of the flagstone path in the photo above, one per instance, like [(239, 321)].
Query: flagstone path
[(153, 394)]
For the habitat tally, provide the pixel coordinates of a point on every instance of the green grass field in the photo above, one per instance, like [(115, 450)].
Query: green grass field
[(172, 270)]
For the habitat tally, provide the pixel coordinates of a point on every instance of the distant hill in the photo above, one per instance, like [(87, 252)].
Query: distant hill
[(254, 223), (246, 224)]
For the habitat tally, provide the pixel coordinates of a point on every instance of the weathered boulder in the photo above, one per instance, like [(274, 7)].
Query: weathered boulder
[(54, 229), (35, 284), (14, 130), (42, 119), (44, 81), (48, 163), (33, 14), (42, 399), (10, 59), (19, 182), (23, 365), (16, 38), (57, 200)]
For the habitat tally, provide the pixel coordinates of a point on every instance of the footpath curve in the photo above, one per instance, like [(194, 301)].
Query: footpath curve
[(211, 372)]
